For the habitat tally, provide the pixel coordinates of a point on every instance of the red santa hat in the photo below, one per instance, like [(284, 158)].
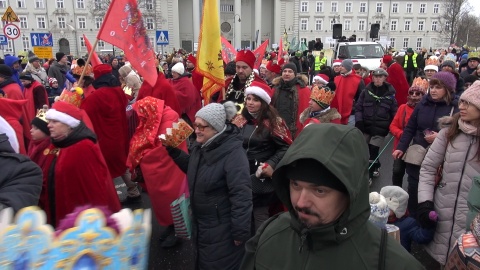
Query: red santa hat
[(274, 67), (322, 78), (101, 69), (246, 56), (66, 113), (258, 89), (337, 62), (387, 58)]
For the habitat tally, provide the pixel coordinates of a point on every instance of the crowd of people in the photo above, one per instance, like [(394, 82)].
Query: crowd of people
[(279, 165)]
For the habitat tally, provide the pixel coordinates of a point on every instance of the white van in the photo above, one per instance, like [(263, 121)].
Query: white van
[(368, 54)]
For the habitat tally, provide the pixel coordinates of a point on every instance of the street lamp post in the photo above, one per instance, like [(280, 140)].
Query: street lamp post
[(234, 30)]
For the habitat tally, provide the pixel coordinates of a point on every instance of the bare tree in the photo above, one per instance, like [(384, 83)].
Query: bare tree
[(451, 18), (469, 25)]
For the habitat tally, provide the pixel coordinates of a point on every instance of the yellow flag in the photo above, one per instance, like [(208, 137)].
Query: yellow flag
[(209, 54)]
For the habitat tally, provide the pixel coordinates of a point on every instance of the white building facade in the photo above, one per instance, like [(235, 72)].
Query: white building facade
[(246, 23)]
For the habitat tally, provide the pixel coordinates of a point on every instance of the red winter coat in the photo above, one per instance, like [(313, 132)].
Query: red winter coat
[(187, 96), (13, 91), (12, 111), (399, 122), (106, 109), (36, 96), (162, 90), (396, 77), (347, 89)]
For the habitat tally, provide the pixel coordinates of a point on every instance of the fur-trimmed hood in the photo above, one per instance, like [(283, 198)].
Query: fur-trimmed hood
[(301, 78), (324, 117)]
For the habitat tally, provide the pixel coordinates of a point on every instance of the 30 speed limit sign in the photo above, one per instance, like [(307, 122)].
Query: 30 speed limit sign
[(11, 31)]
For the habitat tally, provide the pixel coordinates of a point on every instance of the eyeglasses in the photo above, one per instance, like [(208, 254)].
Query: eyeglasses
[(415, 93), (199, 127), (464, 103)]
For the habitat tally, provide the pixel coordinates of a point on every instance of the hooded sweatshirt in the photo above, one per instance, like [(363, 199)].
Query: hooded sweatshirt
[(350, 242)]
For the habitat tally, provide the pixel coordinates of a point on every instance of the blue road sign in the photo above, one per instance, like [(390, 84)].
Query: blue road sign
[(3, 40), (162, 37), (41, 39)]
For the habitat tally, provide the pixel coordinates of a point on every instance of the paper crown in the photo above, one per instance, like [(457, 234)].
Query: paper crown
[(74, 96), (78, 70), (41, 113), (322, 96), (177, 134), (474, 54), (29, 243), (432, 61), (419, 82)]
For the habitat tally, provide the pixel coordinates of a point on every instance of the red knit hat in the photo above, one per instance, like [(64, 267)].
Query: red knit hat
[(101, 69), (387, 58), (246, 56), (66, 113), (274, 67)]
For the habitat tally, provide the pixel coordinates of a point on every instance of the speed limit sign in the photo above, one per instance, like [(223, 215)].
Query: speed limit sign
[(11, 31)]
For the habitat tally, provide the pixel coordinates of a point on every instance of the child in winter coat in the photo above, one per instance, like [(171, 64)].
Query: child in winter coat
[(40, 138), (54, 90), (318, 110), (397, 200)]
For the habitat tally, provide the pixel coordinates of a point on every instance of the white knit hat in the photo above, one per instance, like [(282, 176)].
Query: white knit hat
[(217, 114), (259, 92), (178, 68), (379, 210), (322, 80), (397, 199), (431, 67)]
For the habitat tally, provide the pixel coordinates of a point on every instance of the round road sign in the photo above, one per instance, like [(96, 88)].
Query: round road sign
[(11, 31)]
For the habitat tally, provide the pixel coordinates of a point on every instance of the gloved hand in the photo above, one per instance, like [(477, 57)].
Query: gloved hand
[(173, 152), (360, 125), (423, 215)]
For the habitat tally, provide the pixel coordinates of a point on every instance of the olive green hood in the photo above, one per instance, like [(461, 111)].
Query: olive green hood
[(343, 151)]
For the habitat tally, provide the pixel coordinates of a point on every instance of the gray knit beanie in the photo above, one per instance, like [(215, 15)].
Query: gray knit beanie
[(217, 114), (347, 64)]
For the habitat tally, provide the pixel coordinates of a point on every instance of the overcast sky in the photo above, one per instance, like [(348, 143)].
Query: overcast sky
[(476, 7)]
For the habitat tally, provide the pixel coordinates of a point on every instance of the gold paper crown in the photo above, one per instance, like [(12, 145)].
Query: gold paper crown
[(432, 61), (41, 113), (419, 82), (473, 54), (174, 136), (323, 95)]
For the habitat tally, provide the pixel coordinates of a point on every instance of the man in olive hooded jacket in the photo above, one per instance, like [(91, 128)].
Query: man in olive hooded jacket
[(323, 180)]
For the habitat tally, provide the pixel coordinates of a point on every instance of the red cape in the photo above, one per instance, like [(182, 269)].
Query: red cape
[(36, 151), (13, 91), (106, 109), (303, 100), (81, 178), (197, 80), (396, 77), (162, 90), (12, 111), (188, 97), (344, 95), (30, 94)]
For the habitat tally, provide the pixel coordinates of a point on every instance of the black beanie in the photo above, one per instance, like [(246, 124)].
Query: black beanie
[(40, 124), (312, 171), (59, 56), (291, 66)]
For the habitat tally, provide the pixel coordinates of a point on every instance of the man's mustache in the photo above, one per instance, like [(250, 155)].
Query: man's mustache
[(305, 211)]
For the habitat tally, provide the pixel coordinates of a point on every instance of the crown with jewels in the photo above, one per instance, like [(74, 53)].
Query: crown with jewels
[(419, 82), (41, 113), (432, 61), (174, 136), (322, 96)]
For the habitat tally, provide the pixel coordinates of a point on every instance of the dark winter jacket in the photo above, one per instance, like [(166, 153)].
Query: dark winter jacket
[(410, 231), (284, 243), (58, 72), (20, 178), (220, 198), (376, 107)]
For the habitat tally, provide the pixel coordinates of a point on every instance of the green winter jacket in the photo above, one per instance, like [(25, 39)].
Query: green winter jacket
[(351, 242)]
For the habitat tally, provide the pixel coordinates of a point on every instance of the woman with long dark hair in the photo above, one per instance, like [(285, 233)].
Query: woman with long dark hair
[(266, 138)]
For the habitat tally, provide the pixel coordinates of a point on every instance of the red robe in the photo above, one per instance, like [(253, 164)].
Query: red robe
[(36, 97), (197, 80), (81, 178), (13, 91), (12, 111), (36, 151), (303, 100), (106, 109), (344, 94), (396, 77), (162, 90), (188, 97), (163, 178)]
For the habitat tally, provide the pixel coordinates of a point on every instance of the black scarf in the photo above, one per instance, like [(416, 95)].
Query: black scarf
[(106, 80), (79, 133)]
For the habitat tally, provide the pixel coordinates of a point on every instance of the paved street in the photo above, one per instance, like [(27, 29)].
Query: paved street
[(180, 257)]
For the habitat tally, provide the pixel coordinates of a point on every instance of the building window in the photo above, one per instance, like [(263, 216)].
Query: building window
[(447, 26), (304, 24), (41, 23), (26, 43), (332, 22), (80, 3), (395, 8), (405, 43), (39, 4), (408, 8), (60, 4), (361, 25), (360, 39), (21, 3), (98, 4), (319, 7), (419, 43), (101, 44), (61, 22), (152, 41), (421, 25), (3, 3), (436, 7), (347, 25), (363, 7), (348, 7), (226, 8), (149, 4), (98, 22), (407, 25), (304, 6), (23, 22), (334, 7), (9, 46), (82, 42), (82, 23), (318, 24), (423, 7), (393, 25), (392, 42), (379, 7), (434, 25), (150, 23)]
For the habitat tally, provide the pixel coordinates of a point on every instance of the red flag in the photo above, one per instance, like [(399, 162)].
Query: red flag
[(123, 27), (280, 49), (228, 51), (260, 53), (94, 60)]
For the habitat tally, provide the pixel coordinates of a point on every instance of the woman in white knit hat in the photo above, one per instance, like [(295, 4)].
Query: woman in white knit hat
[(220, 189)]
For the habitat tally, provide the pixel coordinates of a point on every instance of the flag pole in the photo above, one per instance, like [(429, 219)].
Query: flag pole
[(80, 81)]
